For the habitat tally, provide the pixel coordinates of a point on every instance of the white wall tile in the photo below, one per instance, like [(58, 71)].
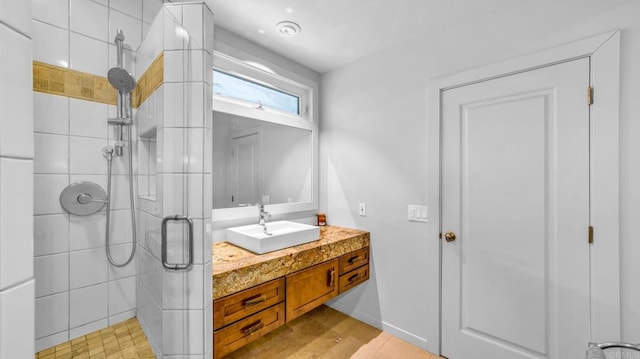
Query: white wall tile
[(16, 14), (88, 55), (16, 222), (52, 314), (173, 34), (17, 324), (174, 66), (120, 253), (192, 19), (86, 155), (54, 12), (89, 18), (86, 232), (46, 193), (122, 295), (88, 328), (208, 30), (195, 154), (50, 44), (16, 95), (50, 113), (114, 319), (188, 322), (88, 305), (129, 7), (87, 267), (121, 227), (88, 118), (51, 340), (183, 289), (131, 27), (51, 153), (51, 234), (195, 196), (120, 191), (51, 274), (173, 105), (150, 9)]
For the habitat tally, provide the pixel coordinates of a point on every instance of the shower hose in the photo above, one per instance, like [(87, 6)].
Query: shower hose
[(109, 156)]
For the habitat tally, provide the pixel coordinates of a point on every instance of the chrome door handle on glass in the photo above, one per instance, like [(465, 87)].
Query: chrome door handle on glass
[(177, 266)]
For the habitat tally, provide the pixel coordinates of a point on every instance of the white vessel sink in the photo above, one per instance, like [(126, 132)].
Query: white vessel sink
[(283, 234)]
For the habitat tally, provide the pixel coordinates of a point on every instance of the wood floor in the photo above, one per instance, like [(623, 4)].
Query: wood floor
[(325, 333)]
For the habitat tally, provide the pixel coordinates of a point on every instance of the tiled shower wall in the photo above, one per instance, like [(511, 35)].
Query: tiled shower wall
[(174, 307), (16, 181), (77, 291)]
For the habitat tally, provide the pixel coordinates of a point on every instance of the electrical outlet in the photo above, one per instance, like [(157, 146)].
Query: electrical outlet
[(418, 213), (362, 209)]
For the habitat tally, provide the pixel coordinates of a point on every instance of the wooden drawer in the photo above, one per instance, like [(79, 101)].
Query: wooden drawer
[(230, 309), (247, 330), (309, 288), (353, 260), (353, 278)]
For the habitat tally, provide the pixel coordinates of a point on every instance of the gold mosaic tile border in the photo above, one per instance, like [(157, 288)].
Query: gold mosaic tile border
[(62, 81), (152, 78), (122, 340), (71, 83)]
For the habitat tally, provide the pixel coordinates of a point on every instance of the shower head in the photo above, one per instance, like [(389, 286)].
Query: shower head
[(121, 79)]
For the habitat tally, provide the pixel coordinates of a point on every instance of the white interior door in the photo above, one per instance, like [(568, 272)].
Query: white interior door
[(244, 167), (515, 192)]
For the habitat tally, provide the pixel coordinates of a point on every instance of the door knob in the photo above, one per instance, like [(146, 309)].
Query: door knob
[(450, 236)]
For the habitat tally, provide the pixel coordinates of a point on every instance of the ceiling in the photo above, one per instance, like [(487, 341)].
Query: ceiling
[(337, 32)]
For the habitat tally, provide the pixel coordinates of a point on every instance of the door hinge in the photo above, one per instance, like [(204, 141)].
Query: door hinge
[(590, 234), (590, 95)]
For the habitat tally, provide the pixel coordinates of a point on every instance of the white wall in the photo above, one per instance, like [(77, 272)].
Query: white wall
[(373, 149), (16, 182), (77, 290)]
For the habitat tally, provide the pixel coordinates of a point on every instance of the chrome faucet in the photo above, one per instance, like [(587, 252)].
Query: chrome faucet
[(263, 216)]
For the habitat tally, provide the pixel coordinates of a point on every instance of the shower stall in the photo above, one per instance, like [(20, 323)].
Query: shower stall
[(157, 155)]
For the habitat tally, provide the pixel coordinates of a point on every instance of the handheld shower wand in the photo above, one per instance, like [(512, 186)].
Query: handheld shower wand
[(122, 81)]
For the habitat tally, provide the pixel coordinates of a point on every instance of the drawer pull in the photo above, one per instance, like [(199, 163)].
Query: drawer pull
[(258, 299), (252, 328), (355, 259), (332, 277), (353, 277)]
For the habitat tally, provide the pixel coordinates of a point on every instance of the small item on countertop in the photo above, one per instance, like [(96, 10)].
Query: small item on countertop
[(322, 219)]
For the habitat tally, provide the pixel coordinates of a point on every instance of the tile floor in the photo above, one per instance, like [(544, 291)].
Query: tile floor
[(325, 333), (124, 340)]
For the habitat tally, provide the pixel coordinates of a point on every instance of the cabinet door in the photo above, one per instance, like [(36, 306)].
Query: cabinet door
[(310, 288)]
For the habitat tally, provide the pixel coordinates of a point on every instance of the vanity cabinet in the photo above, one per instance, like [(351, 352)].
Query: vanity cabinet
[(245, 316), (309, 288)]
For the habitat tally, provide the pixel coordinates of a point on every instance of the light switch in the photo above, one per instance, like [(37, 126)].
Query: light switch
[(418, 213), (362, 209)]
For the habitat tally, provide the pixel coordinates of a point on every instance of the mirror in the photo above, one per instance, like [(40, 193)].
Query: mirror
[(257, 161)]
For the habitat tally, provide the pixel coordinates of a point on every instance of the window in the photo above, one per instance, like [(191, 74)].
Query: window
[(262, 96)]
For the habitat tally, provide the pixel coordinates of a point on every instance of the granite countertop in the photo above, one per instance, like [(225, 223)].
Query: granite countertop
[(236, 269)]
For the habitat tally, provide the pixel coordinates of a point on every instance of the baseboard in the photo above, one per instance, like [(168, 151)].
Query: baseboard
[(384, 326)]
